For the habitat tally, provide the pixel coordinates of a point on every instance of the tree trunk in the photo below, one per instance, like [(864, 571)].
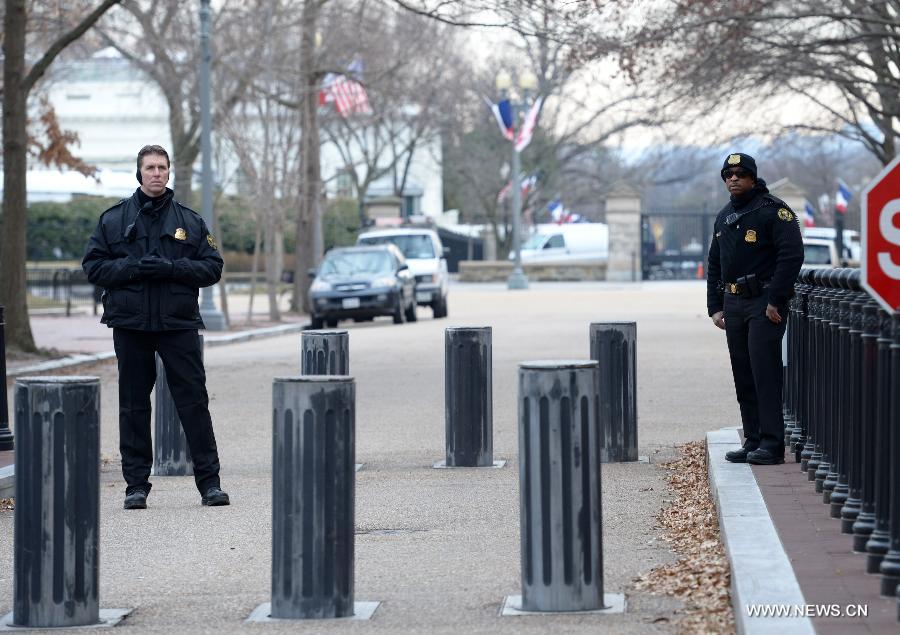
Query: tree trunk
[(254, 269), (309, 218), (15, 164), (274, 259), (185, 156)]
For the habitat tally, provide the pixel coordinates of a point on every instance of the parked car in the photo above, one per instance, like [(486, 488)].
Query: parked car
[(820, 253), (575, 242), (361, 283), (852, 245), (427, 261)]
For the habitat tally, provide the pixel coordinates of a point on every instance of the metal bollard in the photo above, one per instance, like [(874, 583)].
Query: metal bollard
[(468, 397), (325, 352), (613, 346), (559, 474), (171, 454), (313, 474), (6, 438), (890, 564), (57, 516)]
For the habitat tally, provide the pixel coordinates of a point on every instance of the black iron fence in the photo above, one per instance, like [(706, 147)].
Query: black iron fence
[(60, 288), (842, 410)]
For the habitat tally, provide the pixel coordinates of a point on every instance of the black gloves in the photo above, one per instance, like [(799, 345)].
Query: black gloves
[(154, 267)]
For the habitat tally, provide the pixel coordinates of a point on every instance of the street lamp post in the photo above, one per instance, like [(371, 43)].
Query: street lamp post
[(527, 83), (212, 317)]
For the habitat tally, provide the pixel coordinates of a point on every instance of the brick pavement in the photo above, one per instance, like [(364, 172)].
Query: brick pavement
[(826, 568)]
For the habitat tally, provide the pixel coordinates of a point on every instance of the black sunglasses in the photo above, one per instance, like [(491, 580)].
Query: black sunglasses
[(741, 173)]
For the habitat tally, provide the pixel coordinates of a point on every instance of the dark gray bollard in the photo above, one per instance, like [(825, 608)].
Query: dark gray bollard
[(613, 347), (171, 454), (468, 397), (325, 352), (559, 476), (313, 474), (57, 517)]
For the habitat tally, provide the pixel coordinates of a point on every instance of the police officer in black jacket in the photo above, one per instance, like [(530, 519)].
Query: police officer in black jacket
[(151, 254), (755, 256)]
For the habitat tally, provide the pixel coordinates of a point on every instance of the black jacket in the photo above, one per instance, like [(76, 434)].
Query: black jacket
[(765, 240), (174, 232)]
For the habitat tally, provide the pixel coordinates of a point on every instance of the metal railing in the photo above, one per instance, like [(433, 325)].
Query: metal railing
[(842, 410), (62, 287)]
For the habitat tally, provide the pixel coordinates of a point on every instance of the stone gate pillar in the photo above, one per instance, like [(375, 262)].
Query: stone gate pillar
[(623, 215)]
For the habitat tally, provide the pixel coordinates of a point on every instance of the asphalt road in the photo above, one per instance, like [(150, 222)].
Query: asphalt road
[(438, 548)]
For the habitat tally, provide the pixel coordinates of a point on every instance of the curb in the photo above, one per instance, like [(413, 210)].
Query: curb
[(8, 481), (209, 340), (761, 572)]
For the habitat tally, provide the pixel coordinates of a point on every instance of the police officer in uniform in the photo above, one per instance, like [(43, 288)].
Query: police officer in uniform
[(755, 256), (151, 254)]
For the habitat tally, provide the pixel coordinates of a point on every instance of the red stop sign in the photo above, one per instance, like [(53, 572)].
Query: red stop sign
[(881, 237)]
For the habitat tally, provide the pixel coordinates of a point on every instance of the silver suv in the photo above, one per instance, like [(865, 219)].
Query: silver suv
[(425, 256)]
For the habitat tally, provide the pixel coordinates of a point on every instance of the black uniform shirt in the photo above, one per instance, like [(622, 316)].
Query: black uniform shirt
[(758, 234)]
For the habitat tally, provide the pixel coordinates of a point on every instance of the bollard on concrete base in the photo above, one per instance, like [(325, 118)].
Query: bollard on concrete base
[(468, 391), (613, 346), (559, 472), (57, 516), (325, 352), (171, 454), (313, 478)]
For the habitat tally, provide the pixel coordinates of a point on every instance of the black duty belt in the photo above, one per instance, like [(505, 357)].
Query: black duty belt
[(739, 288)]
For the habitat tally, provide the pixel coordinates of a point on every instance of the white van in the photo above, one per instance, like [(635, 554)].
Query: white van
[(570, 242), (426, 259), (852, 245)]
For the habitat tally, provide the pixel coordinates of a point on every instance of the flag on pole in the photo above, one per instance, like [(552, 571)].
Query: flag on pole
[(556, 209), (809, 215), (528, 126), (346, 92), (842, 198), (527, 184), (503, 114)]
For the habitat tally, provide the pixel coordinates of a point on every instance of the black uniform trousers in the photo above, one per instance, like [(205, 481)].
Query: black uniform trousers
[(754, 345), (181, 357)]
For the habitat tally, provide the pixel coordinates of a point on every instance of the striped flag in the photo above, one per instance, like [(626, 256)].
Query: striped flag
[(528, 126), (842, 198), (503, 114), (346, 92), (809, 214)]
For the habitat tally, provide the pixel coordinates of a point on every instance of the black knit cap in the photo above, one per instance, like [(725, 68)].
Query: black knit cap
[(739, 160)]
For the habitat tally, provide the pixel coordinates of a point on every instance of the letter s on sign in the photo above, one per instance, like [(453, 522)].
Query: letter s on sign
[(891, 234)]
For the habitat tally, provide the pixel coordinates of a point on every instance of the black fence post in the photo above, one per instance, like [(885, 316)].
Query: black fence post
[(7, 442), (852, 506), (842, 396), (890, 565), (815, 372), (614, 348), (325, 352), (865, 521), (468, 401), (57, 516), (879, 541), (834, 322), (313, 479), (825, 394), (800, 374)]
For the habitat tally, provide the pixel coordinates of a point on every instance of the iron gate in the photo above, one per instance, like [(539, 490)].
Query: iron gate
[(674, 245)]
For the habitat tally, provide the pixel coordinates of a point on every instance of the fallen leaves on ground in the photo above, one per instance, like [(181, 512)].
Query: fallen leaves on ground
[(701, 577), (7, 504)]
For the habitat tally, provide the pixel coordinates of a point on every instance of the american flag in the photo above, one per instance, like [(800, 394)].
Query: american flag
[(345, 90)]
